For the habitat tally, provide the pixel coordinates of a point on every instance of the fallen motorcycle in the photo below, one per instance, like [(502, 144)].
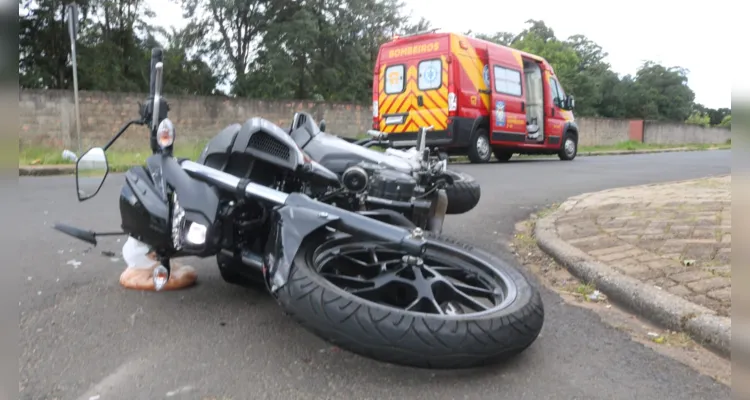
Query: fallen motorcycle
[(415, 183), (463, 191), (393, 294), (408, 188)]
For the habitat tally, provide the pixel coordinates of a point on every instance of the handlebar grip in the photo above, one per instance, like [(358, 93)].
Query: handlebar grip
[(157, 56)]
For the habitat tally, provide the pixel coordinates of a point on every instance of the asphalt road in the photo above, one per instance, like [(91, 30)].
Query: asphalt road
[(82, 335)]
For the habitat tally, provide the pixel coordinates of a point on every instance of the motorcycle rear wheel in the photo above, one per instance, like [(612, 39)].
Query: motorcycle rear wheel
[(444, 325), (463, 194)]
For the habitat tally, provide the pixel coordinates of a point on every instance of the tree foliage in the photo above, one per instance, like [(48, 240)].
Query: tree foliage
[(655, 92), (309, 49), (113, 48)]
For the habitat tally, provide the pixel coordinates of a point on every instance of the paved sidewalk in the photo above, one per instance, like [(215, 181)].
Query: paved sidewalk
[(674, 238)]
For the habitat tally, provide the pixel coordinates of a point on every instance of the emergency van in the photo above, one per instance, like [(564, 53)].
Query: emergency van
[(481, 98)]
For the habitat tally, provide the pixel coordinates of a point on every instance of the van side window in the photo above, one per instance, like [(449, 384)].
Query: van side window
[(430, 74), (507, 81), (557, 95), (394, 79)]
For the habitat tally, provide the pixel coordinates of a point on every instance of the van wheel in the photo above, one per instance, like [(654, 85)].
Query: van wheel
[(569, 148), (503, 155), (479, 147)]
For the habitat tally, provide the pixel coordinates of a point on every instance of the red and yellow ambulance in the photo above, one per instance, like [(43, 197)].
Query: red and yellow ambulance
[(480, 97)]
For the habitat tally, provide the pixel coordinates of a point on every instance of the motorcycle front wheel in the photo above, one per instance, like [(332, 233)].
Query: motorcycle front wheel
[(459, 307)]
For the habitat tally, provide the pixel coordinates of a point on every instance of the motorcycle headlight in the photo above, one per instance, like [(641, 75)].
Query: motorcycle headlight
[(165, 133), (185, 231), (196, 233), (178, 223)]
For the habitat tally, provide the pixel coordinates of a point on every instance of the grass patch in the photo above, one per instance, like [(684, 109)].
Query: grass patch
[(547, 211), (123, 158), (119, 159), (525, 239), (674, 339), (631, 145), (585, 289)]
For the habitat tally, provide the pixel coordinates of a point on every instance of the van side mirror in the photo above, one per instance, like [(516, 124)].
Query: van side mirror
[(569, 103), (322, 125)]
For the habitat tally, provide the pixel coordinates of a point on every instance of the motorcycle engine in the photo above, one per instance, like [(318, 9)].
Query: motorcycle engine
[(392, 185), (380, 187), (355, 179)]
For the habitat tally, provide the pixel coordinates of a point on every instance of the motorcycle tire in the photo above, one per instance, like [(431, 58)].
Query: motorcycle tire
[(463, 194), (404, 337)]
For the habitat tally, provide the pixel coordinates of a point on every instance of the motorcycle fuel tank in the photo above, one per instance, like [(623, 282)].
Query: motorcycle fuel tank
[(337, 154)]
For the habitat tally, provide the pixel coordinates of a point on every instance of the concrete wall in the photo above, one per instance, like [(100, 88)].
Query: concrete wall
[(602, 131), (48, 119), (674, 133), (48, 116)]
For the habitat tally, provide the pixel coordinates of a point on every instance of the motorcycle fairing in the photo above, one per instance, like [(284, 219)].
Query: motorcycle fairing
[(290, 226)]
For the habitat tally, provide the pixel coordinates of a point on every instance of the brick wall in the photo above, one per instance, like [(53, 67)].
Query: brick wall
[(48, 119)]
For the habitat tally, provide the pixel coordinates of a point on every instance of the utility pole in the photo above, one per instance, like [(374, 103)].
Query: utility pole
[(73, 31)]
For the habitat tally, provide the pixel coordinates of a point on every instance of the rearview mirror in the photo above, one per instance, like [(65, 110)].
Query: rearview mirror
[(91, 171), (570, 103), (322, 125)]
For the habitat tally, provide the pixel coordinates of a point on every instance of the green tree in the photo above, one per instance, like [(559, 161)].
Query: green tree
[(726, 121), (113, 47), (502, 38), (655, 92), (186, 72), (667, 89), (540, 40), (324, 49), (44, 44), (699, 118)]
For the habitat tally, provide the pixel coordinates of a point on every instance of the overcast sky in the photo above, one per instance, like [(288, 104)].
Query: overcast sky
[(695, 36)]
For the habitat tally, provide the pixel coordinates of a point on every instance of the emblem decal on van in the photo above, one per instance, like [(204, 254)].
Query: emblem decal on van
[(432, 75), (500, 113), (486, 75), (394, 78)]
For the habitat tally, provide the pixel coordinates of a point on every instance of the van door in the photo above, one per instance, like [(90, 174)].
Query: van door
[(392, 93), (554, 121), (507, 108), (415, 94), (431, 94)]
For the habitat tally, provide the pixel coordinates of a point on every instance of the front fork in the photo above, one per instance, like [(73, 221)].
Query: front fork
[(438, 210)]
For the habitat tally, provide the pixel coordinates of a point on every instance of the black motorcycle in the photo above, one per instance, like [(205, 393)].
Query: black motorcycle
[(384, 291), (414, 183)]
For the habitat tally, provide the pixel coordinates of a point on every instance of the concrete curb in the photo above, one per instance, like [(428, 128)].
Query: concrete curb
[(46, 170), (629, 152), (661, 307), (67, 169)]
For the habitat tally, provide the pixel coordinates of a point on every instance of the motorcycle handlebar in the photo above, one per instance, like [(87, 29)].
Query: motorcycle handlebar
[(157, 56)]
